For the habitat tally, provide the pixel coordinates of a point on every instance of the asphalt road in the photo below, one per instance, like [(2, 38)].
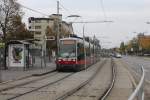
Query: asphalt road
[(136, 62)]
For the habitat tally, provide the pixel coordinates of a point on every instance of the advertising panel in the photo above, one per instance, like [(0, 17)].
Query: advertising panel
[(16, 55)]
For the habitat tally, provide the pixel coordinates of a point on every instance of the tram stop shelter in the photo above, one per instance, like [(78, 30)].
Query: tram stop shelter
[(19, 54)]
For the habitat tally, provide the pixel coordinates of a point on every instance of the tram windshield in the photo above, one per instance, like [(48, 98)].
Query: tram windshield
[(67, 49)]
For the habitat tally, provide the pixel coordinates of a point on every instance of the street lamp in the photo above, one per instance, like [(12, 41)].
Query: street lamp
[(73, 16), (85, 66), (140, 32)]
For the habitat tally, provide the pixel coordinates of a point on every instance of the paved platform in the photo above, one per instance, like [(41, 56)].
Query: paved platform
[(13, 74), (123, 87)]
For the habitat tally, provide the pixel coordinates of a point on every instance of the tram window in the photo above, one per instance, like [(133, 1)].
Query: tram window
[(80, 49)]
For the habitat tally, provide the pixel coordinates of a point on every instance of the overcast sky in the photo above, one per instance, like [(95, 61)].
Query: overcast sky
[(128, 16)]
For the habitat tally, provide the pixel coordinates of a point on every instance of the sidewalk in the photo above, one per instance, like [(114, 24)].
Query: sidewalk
[(11, 74)]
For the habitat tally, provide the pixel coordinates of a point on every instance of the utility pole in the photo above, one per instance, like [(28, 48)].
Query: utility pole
[(94, 47), (57, 7), (57, 21), (84, 48)]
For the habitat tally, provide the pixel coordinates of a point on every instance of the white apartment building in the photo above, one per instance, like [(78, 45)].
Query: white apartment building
[(39, 25)]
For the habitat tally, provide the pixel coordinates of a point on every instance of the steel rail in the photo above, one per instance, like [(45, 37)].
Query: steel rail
[(48, 84), (108, 90), (71, 92), (25, 83), (19, 95), (22, 78), (139, 91)]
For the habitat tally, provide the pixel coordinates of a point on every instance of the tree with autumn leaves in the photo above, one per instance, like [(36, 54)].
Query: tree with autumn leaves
[(52, 31), (11, 21), (139, 45), (18, 30)]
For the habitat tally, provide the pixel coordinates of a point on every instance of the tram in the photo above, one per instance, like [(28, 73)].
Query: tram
[(76, 54)]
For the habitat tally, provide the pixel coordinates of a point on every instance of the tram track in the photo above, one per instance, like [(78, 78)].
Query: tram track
[(26, 77), (108, 90), (71, 92), (51, 86), (105, 75), (42, 87), (35, 89), (25, 80), (59, 77)]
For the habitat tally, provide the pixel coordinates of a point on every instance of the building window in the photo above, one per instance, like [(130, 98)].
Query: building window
[(38, 33), (29, 27), (37, 27), (37, 21), (30, 21)]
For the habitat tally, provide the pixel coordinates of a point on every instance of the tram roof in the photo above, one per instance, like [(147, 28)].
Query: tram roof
[(71, 38)]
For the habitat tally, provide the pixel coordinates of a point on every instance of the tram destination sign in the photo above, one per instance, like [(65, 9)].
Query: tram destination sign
[(68, 42)]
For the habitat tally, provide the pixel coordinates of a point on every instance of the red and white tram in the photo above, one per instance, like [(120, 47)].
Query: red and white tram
[(74, 53)]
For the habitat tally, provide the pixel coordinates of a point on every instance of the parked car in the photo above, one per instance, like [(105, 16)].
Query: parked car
[(118, 55)]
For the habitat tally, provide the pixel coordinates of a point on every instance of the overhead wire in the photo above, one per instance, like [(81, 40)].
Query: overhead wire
[(103, 9), (70, 13), (32, 9), (94, 22), (65, 8), (102, 6)]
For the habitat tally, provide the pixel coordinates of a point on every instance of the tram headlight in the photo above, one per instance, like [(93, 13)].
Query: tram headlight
[(59, 60), (74, 60)]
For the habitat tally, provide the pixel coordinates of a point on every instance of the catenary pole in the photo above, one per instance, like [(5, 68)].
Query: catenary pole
[(84, 48), (57, 19)]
